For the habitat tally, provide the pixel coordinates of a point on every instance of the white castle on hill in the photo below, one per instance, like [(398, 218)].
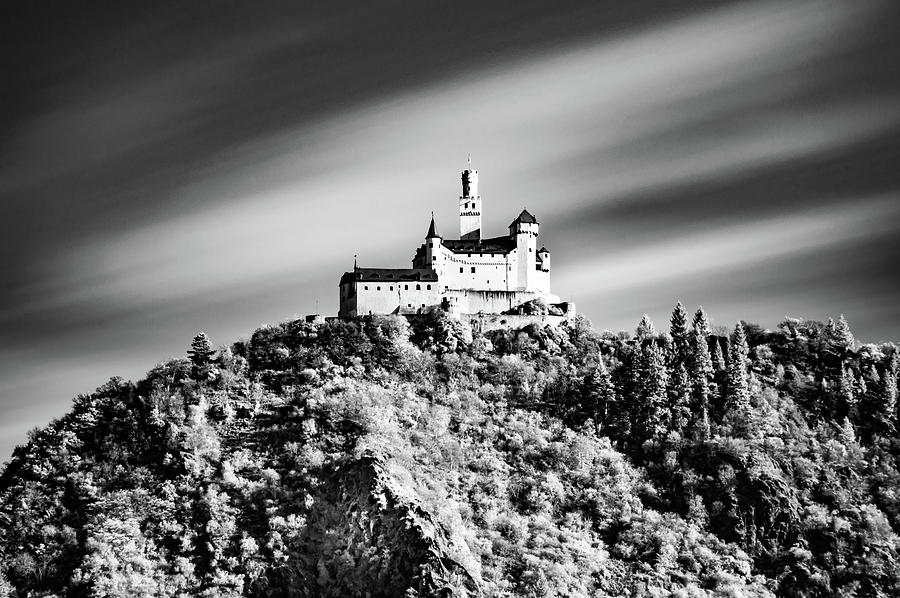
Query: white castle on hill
[(469, 275)]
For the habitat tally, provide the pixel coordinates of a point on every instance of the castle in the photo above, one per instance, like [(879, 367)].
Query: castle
[(469, 275)]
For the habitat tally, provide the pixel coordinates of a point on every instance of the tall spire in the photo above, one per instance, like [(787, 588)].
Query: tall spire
[(432, 230)]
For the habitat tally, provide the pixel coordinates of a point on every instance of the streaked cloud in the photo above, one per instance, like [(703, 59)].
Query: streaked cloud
[(230, 179)]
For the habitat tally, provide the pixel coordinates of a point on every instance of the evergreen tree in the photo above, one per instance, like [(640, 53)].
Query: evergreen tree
[(887, 411), (645, 329), (600, 396), (680, 399), (737, 398), (200, 354), (894, 362), (701, 428), (718, 358), (848, 436), (842, 337), (847, 392), (652, 394), (701, 377), (701, 322), (680, 333), (872, 374)]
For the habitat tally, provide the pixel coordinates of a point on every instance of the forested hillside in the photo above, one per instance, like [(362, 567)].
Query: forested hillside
[(378, 458)]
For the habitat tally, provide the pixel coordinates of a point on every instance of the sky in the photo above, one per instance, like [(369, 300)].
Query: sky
[(170, 168)]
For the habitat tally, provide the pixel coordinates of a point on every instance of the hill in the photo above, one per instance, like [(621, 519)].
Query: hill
[(372, 457)]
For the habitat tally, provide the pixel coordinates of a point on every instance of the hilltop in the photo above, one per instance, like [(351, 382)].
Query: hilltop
[(378, 457)]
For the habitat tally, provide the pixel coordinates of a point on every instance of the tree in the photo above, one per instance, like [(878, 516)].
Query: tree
[(121, 562), (718, 358), (645, 329), (600, 395), (680, 399), (701, 323), (680, 333), (701, 376), (842, 338), (847, 389), (737, 398), (848, 436), (652, 394), (200, 354), (887, 408)]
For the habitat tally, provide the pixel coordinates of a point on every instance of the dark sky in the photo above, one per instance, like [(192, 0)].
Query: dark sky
[(167, 168)]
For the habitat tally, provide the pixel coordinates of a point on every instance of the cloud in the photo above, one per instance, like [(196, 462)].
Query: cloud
[(229, 180)]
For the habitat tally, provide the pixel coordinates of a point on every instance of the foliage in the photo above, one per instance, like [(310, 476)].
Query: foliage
[(382, 456)]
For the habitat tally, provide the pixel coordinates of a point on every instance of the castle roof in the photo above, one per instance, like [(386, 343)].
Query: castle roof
[(543, 250), (432, 231), (388, 275), (492, 245), (526, 217)]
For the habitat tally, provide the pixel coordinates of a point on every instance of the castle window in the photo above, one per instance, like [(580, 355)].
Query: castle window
[(473, 269), (434, 258), (460, 270), (418, 287), (409, 305), (392, 288), (428, 287), (377, 288), (366, 287), (406, 288)]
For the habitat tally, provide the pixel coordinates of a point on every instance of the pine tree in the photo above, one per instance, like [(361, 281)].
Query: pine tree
[(680, 333), (737, 399), (894, 362), (842, 337), (872, 375), (887, 412), (652, 394), (200, 354), (848, 436), (847, 389), (701, 428), (645, 329), (680, 399), (701, 322), (701, 377), (718, 358), (600, 396)]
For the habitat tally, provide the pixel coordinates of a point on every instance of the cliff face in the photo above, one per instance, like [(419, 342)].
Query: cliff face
[(372, 458)]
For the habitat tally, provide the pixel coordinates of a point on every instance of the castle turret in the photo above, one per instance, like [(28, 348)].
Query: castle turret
[(433, 255), (470, 206), (543, 259)]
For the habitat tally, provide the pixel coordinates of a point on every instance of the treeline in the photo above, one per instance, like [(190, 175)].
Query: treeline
[(374, 457)]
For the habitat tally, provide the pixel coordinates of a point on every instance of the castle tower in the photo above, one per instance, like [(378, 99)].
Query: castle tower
[(470, 206), (434, 258), (524, 230)]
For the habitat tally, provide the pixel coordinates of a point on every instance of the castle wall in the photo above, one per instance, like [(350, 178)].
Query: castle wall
[(492, 271), (393, 297), (486, 322), (470, 301), (405, 297), (540, 281)]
